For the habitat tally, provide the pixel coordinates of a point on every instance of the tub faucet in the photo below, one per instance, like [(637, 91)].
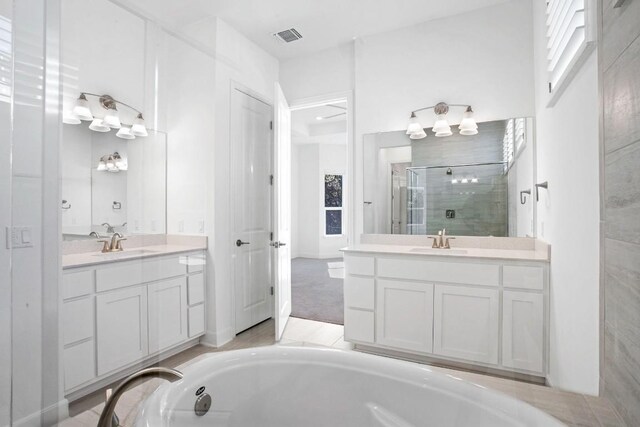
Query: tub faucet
[(107, 417)]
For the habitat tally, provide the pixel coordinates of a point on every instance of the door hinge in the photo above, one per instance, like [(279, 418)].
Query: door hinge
[(272, 290), (550, 87), (271, 236), (271, 125), (271, 179)]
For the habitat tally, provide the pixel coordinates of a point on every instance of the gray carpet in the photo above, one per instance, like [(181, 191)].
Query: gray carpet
[(315, 295)]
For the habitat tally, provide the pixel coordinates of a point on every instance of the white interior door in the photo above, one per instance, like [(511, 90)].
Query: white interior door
[(282, 205), (251, 150)]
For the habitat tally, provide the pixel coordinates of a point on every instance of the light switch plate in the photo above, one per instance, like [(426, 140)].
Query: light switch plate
[(19, 237)]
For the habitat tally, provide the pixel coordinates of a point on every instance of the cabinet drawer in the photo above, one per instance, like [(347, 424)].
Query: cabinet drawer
[(439, 271), (77, 284), (195, 289), (79, 364), (77, 320), (523, 277), (358, 326), (196, 263), (125, 274), (359, 292), (196, 320), (362, 265)]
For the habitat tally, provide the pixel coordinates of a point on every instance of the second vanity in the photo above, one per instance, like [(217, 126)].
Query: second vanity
[(482, 304), (124, 310)]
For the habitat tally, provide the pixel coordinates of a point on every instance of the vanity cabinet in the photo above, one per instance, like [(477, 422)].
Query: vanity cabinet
[(485, 312), (120, 315)]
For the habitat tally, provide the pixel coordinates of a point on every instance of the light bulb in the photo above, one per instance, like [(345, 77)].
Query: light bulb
[(138, 128), (99, 126), (125, 133), (414, 126), (112, 118), (441, 127), (70, 118), (468, 125), (82, 109)]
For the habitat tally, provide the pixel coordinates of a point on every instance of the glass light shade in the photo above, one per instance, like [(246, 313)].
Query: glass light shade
[(102, 166), (138, 128), (112, 119), (70, 118), (418, 135), (82, 109), (99, 126), (468, 126), (414, 126), (111, 164), (441, 126), (443, 133), (125, 133), (469, 132)]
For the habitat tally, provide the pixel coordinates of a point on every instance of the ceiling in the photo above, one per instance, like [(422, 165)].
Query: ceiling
[(322, 23), (308, 116)]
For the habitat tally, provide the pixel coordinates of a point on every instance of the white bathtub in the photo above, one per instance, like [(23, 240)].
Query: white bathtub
[(309, 387)]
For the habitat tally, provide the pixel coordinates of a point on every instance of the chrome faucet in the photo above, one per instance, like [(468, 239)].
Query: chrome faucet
[(110, 228), (114, 244), (107, 417)]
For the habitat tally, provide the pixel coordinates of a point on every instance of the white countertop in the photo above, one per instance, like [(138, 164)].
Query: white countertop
[(85, 259), (483, 253)]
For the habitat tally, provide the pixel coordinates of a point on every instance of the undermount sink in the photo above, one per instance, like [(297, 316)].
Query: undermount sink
[(125, 253), (439, 251)]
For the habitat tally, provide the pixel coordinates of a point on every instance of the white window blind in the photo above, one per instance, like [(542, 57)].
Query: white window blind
[(570, 37), (6, 65)]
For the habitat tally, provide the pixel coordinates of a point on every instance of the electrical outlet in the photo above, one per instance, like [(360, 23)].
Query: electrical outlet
[(19, 237)]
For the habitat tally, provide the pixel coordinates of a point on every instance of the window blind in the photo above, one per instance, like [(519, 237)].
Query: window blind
[(6, 52), (568, 35)]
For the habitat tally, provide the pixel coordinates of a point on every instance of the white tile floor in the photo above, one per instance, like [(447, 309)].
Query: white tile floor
[(573, 409)]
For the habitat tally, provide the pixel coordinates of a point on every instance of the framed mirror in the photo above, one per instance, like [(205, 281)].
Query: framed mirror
[(111, 184), (479, 185)]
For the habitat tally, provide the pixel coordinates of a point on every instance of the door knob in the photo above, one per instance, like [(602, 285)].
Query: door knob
[(240, 243), (277, 244)]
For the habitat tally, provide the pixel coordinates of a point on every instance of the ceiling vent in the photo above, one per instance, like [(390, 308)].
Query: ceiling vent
[(288, 36)]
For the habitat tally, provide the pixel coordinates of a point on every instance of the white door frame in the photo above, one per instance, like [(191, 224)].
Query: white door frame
[(350, 200), (236, 86)]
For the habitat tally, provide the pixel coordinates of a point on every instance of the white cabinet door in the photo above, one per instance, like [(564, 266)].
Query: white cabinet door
[(466, 323), (167, 314), (121, 328), (523, 331), (404, 315)]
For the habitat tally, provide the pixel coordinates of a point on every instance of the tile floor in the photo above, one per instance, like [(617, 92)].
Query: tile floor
[(573, 409)]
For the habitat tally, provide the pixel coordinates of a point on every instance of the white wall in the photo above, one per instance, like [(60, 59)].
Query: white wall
[(238, 61), (568, 217), (310, 162), (322, 73)]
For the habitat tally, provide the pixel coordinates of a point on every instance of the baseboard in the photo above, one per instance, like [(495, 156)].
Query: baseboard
[(49, 416), (320, 256), (217, 339)]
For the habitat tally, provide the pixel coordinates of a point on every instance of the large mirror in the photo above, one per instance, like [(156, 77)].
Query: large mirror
[(479, 185), (111, 184)]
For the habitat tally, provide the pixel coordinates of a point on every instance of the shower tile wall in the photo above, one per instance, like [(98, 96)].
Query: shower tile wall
[(480, 208), (620, 71)]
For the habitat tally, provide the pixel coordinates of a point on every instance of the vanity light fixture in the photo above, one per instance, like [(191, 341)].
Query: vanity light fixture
[(112, 163), (441, 127), (110, 117)]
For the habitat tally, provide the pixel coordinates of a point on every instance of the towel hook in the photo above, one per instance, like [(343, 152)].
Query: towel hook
[(544, 185), (66, 205)]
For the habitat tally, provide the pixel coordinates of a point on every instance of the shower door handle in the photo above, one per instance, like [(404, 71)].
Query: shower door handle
[(240, 243)]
